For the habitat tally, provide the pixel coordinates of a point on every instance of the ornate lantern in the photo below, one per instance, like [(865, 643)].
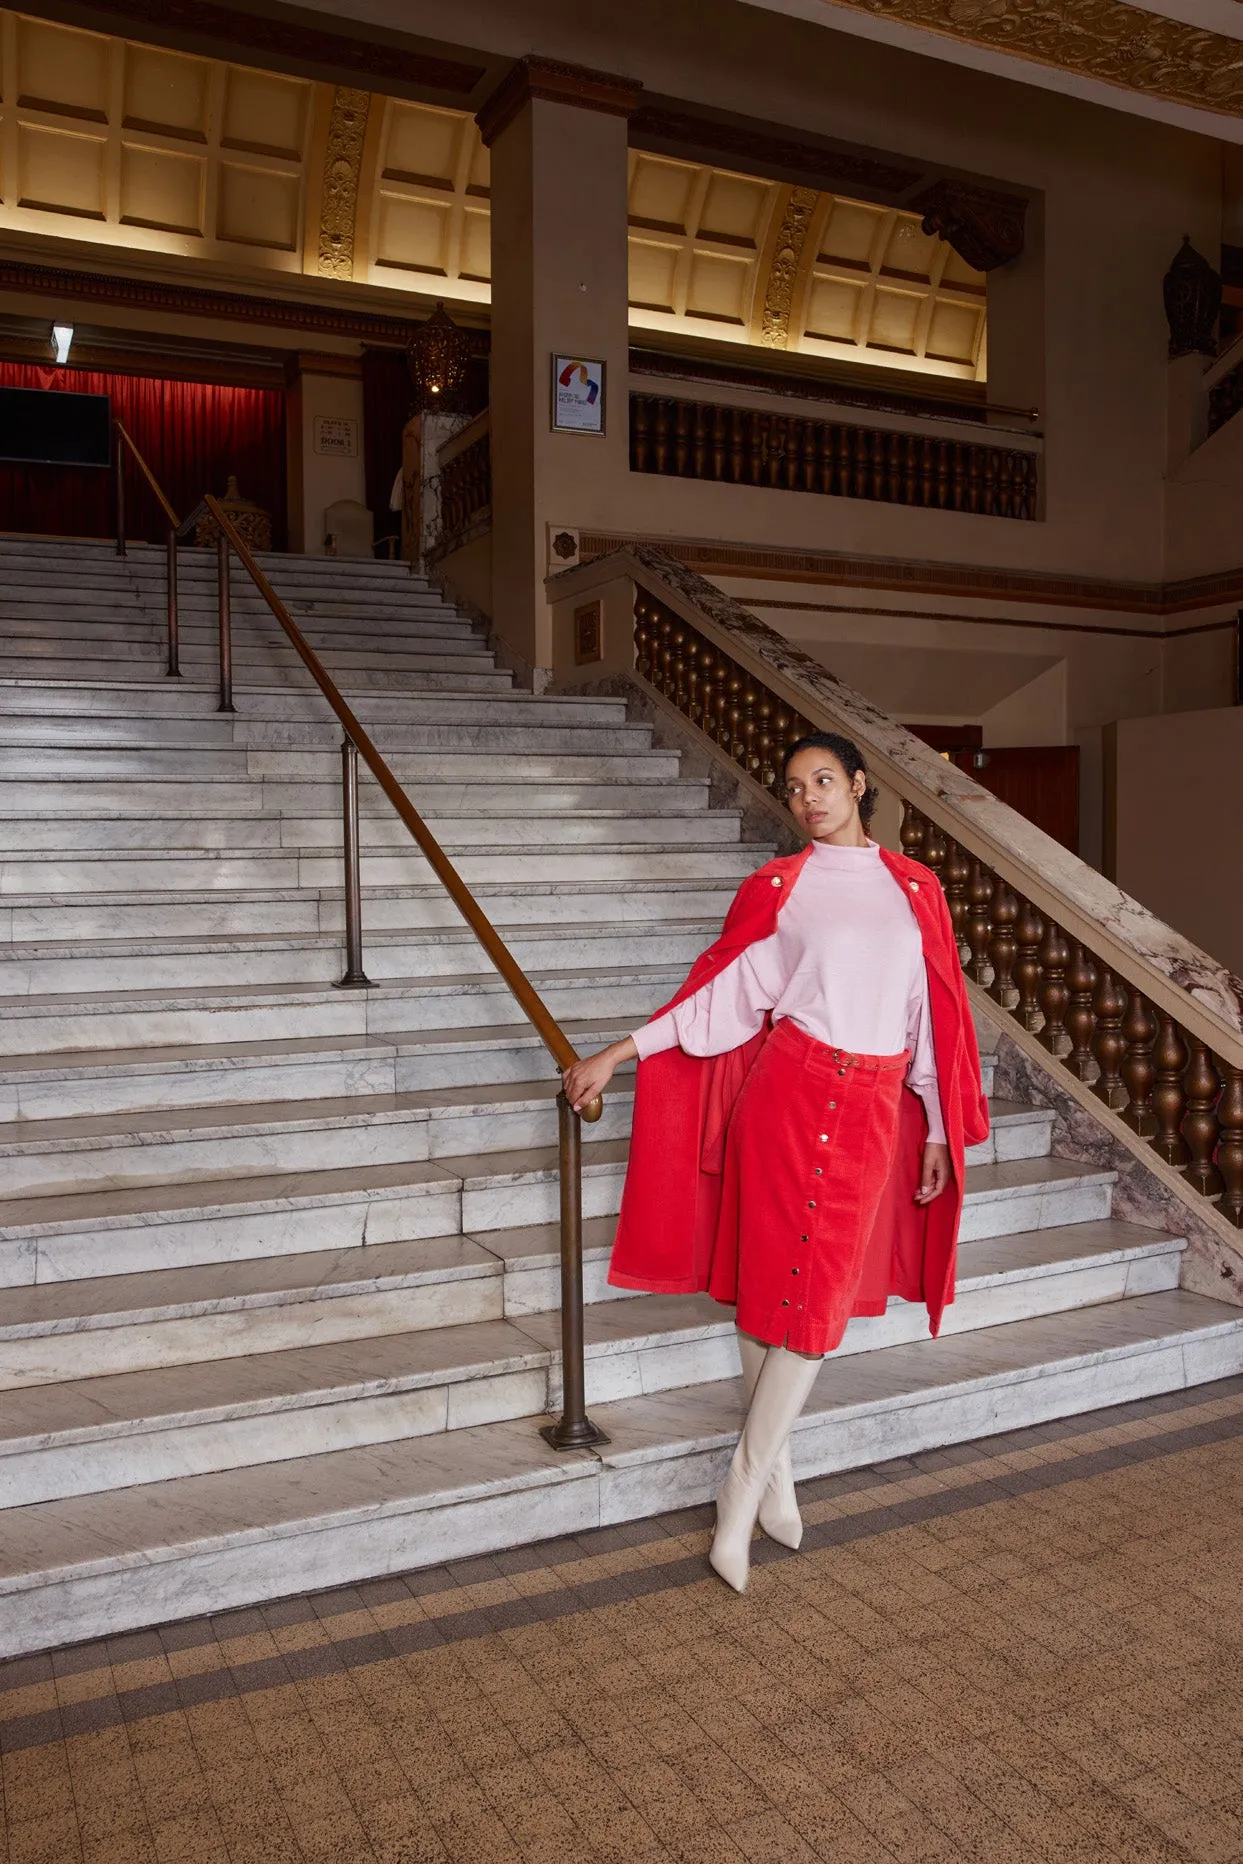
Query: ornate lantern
[(437, 358), (1192, 291)]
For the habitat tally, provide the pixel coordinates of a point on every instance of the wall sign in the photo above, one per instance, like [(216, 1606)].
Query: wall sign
[(577, 395), (336, 434)]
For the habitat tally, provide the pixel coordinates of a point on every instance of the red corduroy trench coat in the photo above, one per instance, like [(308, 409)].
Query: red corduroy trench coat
[(671, 1199)]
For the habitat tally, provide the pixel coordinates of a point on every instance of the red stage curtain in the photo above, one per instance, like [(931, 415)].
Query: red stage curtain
[(192, 435)]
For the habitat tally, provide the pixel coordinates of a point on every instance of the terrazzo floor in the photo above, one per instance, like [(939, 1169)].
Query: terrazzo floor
[(1019, 1650)]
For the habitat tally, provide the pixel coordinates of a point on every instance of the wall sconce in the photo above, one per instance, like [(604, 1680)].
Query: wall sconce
[(437, 357), (62, 339)]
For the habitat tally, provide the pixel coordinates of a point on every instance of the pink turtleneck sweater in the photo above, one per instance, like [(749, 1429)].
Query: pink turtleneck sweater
[(846, 963)]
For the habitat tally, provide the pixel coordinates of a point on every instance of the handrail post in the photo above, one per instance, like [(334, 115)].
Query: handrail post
[(574, 1430), (118, 484), (174, 652), (355, 977), (226, 625)]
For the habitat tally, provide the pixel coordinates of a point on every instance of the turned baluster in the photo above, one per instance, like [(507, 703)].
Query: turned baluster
[(700, 437), (679, 634), (954, 875), (642, 637), (1081, 1016), (1139, 1032), (943, 496), (1028, 934), (809, 456), (1002, 946), (910, 470), (714, 717), (1169, 1097), (640, 424), (660, 436), (980, 889), (1203, 1085), (765, 771), (719, 442), (935, 849), (926, 455), (1054, 996), (733, 710), (737, 445), (757, 446), (746, 752), (664, 654), (911, 834), (706, 657), (681, 437), (989, 501), (1108, 1042), (972, 491), (1230, 1147)]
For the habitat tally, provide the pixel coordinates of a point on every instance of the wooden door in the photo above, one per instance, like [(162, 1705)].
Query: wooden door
[(1041, 781)]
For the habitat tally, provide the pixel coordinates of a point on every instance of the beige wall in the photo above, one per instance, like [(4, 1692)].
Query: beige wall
[(1175, 780), (317, 480)]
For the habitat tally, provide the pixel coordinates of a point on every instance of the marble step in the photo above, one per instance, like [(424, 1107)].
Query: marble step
[(90, 829), (143, 1227), (57, 918), (114, 666), (184, 699), (84, 1435), (41, 1158), (42, 1025), (190, 963), (77, 1569), (665, 852), (103, 1082), (85, 1329), (100, 624), (300, 821), (316, 763)]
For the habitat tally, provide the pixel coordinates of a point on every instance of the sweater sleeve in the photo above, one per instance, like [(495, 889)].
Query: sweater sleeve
[(720, 1015), (921, 1073)]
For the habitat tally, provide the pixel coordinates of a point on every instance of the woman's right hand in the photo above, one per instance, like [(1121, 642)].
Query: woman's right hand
[(587, 1079)]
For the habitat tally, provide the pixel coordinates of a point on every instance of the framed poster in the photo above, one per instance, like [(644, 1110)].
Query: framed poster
[(577, 395)]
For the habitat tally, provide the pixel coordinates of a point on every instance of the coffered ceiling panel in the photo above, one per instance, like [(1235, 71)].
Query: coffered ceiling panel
[(252, 172)]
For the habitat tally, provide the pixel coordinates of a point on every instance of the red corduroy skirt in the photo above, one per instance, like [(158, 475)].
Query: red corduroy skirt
[(808, 1153)]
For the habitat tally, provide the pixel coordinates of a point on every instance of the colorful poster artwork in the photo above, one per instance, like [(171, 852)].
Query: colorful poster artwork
[(577, 395)]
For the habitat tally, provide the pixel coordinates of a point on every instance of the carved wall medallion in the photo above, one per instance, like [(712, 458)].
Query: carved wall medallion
[(1104, 39), (343, 160), (984, 228), (791, 236)]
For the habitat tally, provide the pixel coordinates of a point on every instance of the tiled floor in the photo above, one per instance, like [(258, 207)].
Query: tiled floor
[(1025, 1649)]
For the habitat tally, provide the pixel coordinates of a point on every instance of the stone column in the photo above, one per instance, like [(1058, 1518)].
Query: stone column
[(559, 274)]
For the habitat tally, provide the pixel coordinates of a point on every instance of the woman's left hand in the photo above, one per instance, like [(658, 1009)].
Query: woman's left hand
[(935, 1174)]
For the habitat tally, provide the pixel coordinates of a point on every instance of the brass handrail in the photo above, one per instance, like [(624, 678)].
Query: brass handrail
[(574, 1430), (125, 439), (148, 475)]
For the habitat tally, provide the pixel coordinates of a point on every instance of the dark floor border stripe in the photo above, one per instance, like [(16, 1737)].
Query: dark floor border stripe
[(320, 1660)]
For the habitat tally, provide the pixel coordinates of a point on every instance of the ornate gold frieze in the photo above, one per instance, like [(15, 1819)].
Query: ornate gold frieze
[(787, 254), (1104, 39), (343, 159)]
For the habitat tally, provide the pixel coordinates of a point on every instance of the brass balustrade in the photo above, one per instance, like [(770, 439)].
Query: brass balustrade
[(1171, 1088), (573, 1429), (744, 446)]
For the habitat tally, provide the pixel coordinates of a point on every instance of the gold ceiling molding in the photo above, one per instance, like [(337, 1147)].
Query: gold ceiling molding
[(343, 161), (783, 273), (1104, 39)]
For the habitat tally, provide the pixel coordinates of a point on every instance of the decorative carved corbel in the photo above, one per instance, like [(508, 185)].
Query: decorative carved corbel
[(1192, 293), (984, 227)]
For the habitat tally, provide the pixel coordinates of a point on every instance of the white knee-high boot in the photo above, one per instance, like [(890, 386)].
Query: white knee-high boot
[(779, 1516), (780, 1393)]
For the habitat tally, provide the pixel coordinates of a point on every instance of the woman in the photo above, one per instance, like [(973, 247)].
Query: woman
[(802, 1108)]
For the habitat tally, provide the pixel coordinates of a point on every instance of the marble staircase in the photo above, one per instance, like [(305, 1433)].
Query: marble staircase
[(278, 1261)]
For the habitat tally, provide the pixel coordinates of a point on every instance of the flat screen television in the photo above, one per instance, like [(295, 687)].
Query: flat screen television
[(48, 427)]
